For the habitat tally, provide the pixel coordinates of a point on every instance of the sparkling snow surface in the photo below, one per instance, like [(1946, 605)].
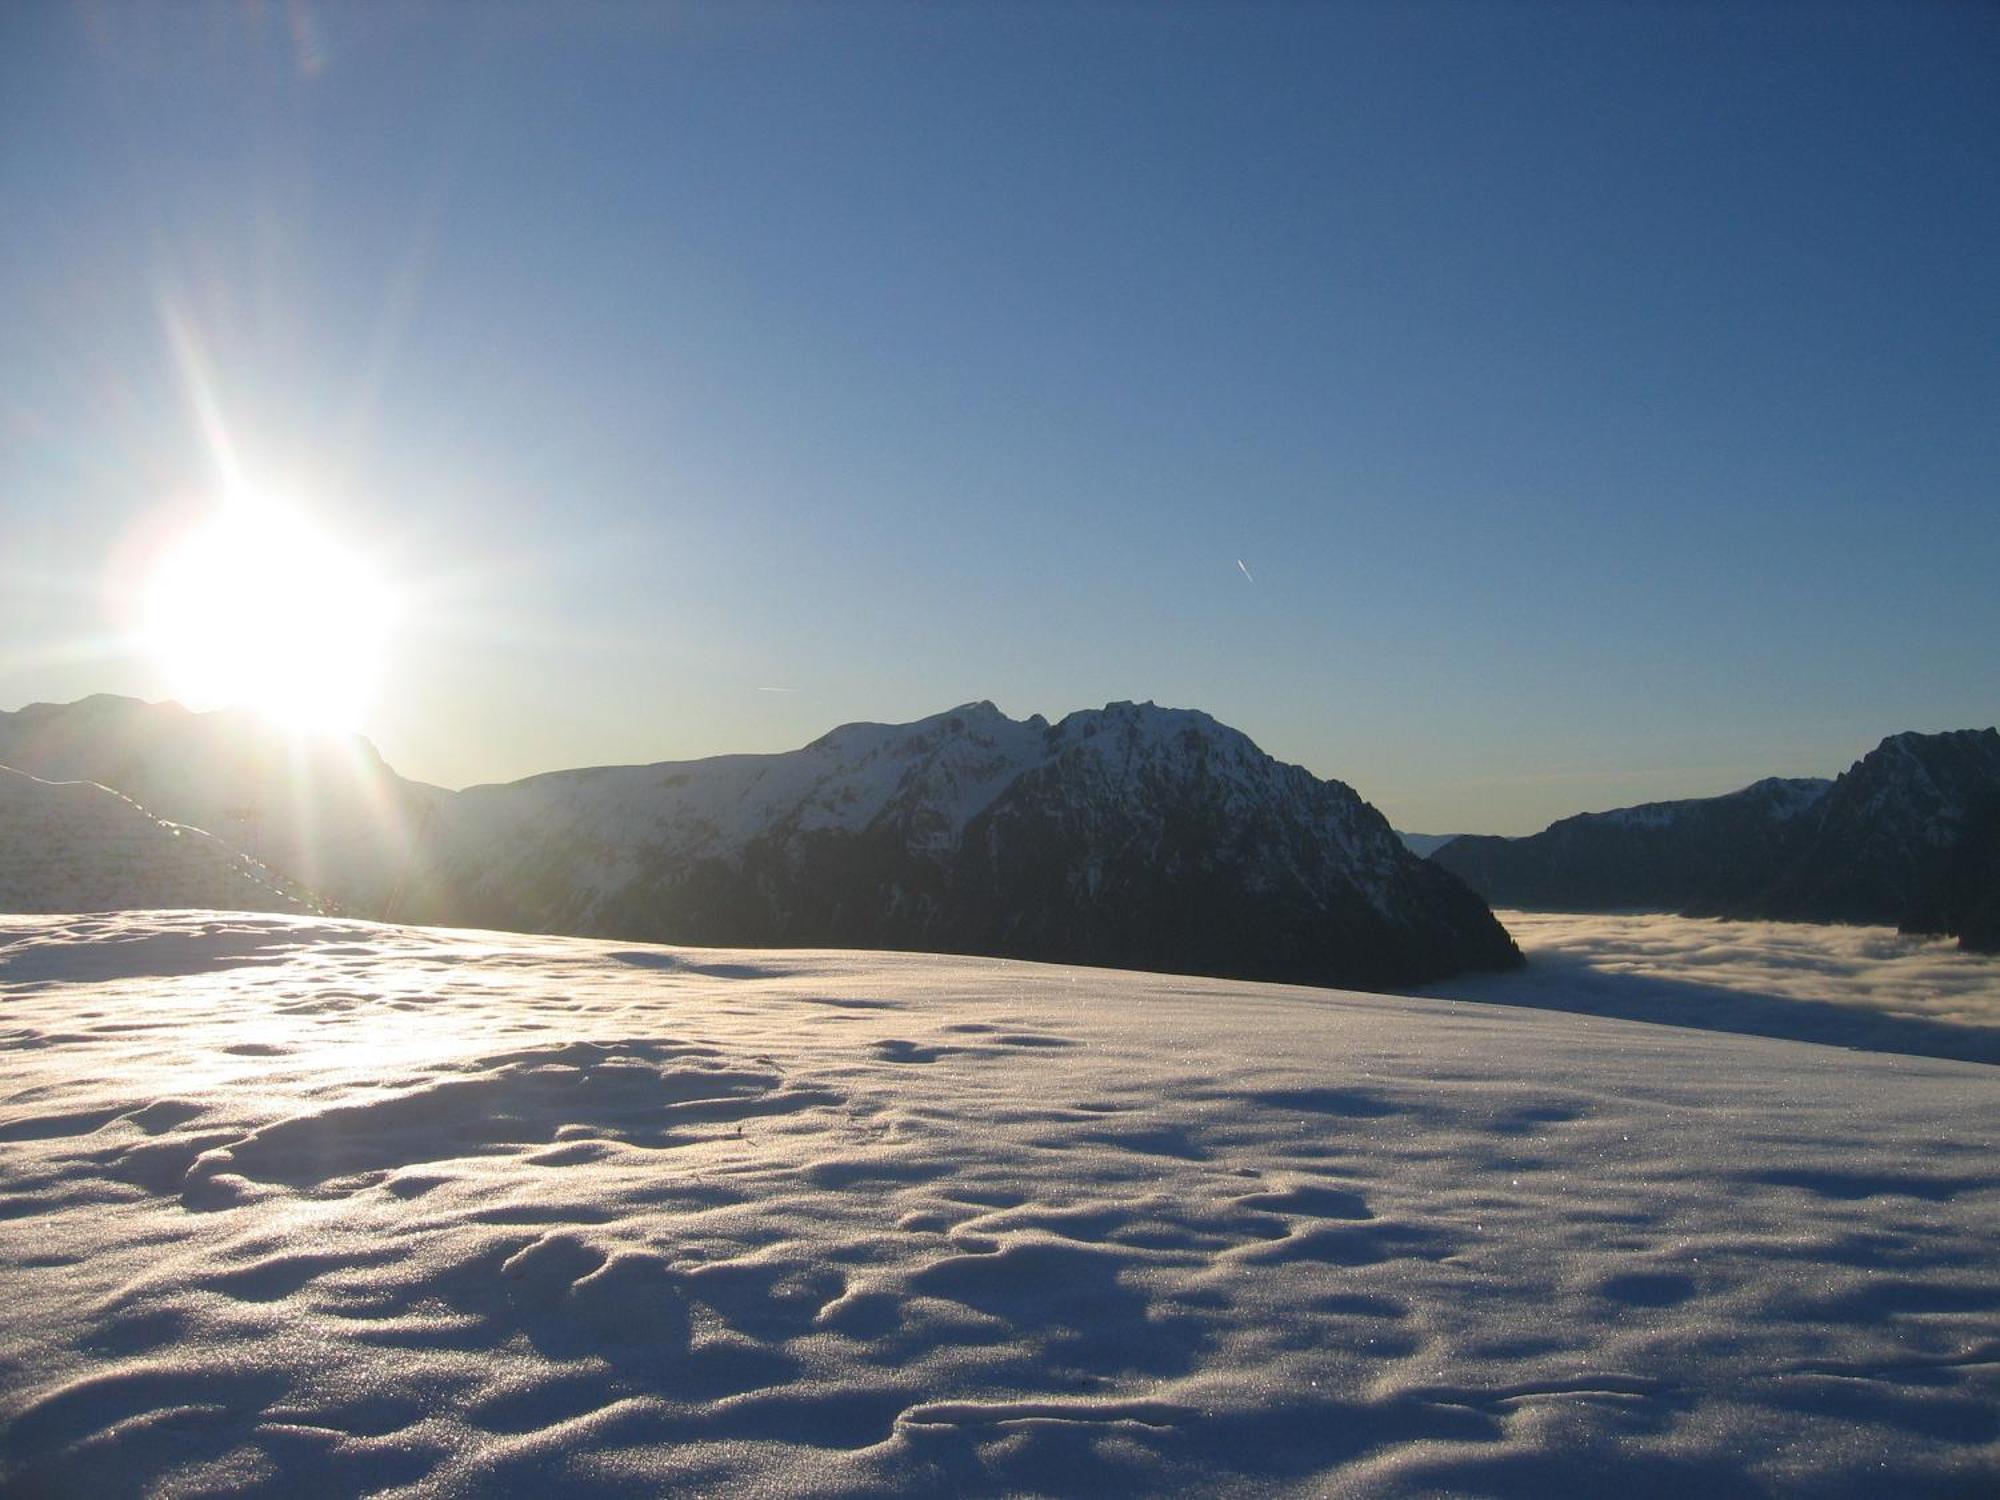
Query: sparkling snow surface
[(301, 1207)]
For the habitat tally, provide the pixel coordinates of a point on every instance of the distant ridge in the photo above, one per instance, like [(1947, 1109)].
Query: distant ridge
[(1907, 836), (1702, 852)]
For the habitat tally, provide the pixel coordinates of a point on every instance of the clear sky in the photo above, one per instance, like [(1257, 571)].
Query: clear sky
[(1602, 401)]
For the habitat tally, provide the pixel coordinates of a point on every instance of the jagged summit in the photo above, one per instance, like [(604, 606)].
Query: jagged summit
[(1910, 834), (1789, 794)]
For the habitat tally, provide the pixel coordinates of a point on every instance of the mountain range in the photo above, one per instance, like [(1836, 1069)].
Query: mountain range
[(1130, 836), (1908, 836)]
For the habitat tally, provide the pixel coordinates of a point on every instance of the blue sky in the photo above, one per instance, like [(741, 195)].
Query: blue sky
[(1605, 400)]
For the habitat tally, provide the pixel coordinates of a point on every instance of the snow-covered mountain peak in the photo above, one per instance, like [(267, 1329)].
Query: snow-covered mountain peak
[(1148, 718), (1132, 730), (935, 775), (1131, 835)]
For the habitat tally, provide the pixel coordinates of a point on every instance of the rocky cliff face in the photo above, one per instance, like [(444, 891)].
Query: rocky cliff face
[(1909, 836), (1131, 836)]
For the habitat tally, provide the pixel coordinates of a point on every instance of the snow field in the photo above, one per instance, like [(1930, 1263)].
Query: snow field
[(291, 1206)]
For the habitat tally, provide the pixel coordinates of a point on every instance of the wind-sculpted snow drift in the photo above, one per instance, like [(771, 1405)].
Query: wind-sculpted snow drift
[(294, 1206)]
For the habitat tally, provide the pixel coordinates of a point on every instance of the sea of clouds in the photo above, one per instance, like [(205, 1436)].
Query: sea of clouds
[(1868, 987)]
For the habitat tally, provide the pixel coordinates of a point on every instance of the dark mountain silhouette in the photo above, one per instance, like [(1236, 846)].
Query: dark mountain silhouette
[(1705, 852), (1908, 836), (1131, 836)]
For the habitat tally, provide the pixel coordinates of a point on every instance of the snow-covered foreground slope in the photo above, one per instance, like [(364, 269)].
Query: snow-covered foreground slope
[(300, 1207)]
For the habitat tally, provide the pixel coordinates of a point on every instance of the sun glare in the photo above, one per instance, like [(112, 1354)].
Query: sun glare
[(256, 608)]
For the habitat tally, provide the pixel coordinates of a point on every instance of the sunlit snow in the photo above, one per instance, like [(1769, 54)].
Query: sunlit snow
[(295, 1206)]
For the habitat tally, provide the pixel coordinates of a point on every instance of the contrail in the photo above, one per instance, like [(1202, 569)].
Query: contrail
[(1246, 570)]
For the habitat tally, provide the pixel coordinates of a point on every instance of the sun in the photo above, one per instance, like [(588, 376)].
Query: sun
[(256, 607)]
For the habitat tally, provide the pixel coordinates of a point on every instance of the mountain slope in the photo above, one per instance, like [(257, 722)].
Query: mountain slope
[(1131, 836), (323, 809), (77, 847), (1700, 853), (1908, 836)]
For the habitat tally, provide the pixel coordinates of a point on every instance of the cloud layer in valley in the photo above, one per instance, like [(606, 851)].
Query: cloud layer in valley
[(1867, 987)]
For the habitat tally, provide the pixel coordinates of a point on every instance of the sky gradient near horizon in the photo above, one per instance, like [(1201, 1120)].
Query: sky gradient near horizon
[(1508, 410)]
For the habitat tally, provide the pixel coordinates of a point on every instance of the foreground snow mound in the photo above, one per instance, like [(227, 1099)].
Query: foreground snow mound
[(294, 1206)]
